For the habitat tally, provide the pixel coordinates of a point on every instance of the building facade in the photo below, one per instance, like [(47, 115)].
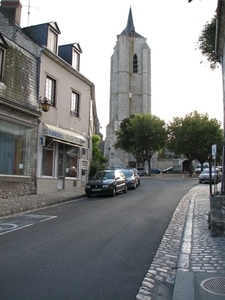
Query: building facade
[(130, 87), (19, 109), (46, 150)]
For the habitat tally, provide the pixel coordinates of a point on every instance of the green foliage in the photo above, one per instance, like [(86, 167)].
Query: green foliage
[(141, 135), (194, 136), (98, 160), (206, 43)]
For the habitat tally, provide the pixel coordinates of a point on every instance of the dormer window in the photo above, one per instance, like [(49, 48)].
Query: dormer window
[(76, 60), (52, 40), (1, 63), (3, 47)]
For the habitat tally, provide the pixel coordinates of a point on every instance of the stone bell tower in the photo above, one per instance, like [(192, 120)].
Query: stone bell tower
[(130, 87)]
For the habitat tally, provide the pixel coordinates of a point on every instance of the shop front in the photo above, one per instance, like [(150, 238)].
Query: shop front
[(62, 159)]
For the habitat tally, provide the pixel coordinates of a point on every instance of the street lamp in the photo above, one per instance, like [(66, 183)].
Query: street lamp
[(109, 149), (44, 104)]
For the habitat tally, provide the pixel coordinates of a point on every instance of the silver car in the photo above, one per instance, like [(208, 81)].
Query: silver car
[(205, 176)]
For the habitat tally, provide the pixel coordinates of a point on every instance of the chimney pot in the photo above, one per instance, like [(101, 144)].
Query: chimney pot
[(11, 10)]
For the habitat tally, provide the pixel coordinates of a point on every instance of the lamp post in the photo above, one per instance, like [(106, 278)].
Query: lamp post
[(109, 149)]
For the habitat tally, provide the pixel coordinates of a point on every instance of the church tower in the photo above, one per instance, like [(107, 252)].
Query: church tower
[(130, 87)]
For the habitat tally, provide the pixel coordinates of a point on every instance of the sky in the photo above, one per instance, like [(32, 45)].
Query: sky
[(180, 83)]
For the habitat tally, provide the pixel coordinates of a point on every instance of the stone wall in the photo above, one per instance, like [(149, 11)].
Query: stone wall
[(217, 215)]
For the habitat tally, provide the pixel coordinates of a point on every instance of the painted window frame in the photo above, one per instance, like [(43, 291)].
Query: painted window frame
[(50, 90), (75, 104), (52, 40)]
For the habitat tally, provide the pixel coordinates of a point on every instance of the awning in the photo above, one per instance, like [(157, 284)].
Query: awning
[(63, 134)]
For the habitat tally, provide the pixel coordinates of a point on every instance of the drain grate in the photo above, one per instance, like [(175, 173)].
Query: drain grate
[(215, 285)]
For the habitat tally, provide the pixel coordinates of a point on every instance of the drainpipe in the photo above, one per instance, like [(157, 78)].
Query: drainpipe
[(39, 121)]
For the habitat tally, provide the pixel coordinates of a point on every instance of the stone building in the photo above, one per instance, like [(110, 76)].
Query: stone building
[(19, 109), (130, 87), (48, 149)]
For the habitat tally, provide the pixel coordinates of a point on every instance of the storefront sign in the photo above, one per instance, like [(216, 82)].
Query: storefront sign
[(63, 134)]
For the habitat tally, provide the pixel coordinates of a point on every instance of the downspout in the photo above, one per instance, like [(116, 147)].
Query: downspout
[(39, 121)]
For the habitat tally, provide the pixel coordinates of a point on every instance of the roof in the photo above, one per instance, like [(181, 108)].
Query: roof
[(130, 29)]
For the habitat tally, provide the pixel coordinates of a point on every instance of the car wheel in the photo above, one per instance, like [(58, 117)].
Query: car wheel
[(113, 192), (125, 189), (88, 195), (200, 181)]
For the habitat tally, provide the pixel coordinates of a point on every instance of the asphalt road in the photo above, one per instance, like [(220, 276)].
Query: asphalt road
[(94, 248)]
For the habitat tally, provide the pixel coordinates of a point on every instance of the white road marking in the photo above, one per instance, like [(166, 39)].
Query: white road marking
[(21, 221)]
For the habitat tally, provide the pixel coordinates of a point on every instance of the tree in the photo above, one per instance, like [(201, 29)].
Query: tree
[(141, 135), (194, 136), (98, 160), (206, 43)]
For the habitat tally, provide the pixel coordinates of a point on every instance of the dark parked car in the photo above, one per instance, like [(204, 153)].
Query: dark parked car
[(155, 171), (168, 170), (137, 176), (205, 175), (142, 171), (108, 182), (131, 179)]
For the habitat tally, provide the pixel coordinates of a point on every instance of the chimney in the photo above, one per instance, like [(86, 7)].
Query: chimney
[(11, 10)]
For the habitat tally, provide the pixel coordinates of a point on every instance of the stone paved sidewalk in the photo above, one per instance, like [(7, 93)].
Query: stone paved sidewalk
[(187, 245), (24, 203)]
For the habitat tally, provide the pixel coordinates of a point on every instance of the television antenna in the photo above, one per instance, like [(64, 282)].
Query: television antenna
[(28, 12)]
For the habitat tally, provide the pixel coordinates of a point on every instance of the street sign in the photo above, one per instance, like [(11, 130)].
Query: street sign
[(214, 151)]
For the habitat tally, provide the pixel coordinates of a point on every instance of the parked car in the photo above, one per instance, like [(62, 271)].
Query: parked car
[(137, 176), (205, 176), (168, 170), (131, 179), (198, 170), (142, 171), (108, 182), (155, 171), (220, 168), (118, 167)]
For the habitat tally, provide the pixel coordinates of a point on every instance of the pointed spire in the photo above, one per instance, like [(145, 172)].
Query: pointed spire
[(130, 24), (130, 29)]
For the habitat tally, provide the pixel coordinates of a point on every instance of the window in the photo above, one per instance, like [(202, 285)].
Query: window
[(75, 104), (3, 47), (76, 60), (50, 88), (71, 160), (52, 41), (1, 63), (135, 63), (14, 148), (47, 158)]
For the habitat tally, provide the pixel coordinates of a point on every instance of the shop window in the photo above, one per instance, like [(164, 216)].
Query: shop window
[(47, 158), (71, 161), (14, 149)]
